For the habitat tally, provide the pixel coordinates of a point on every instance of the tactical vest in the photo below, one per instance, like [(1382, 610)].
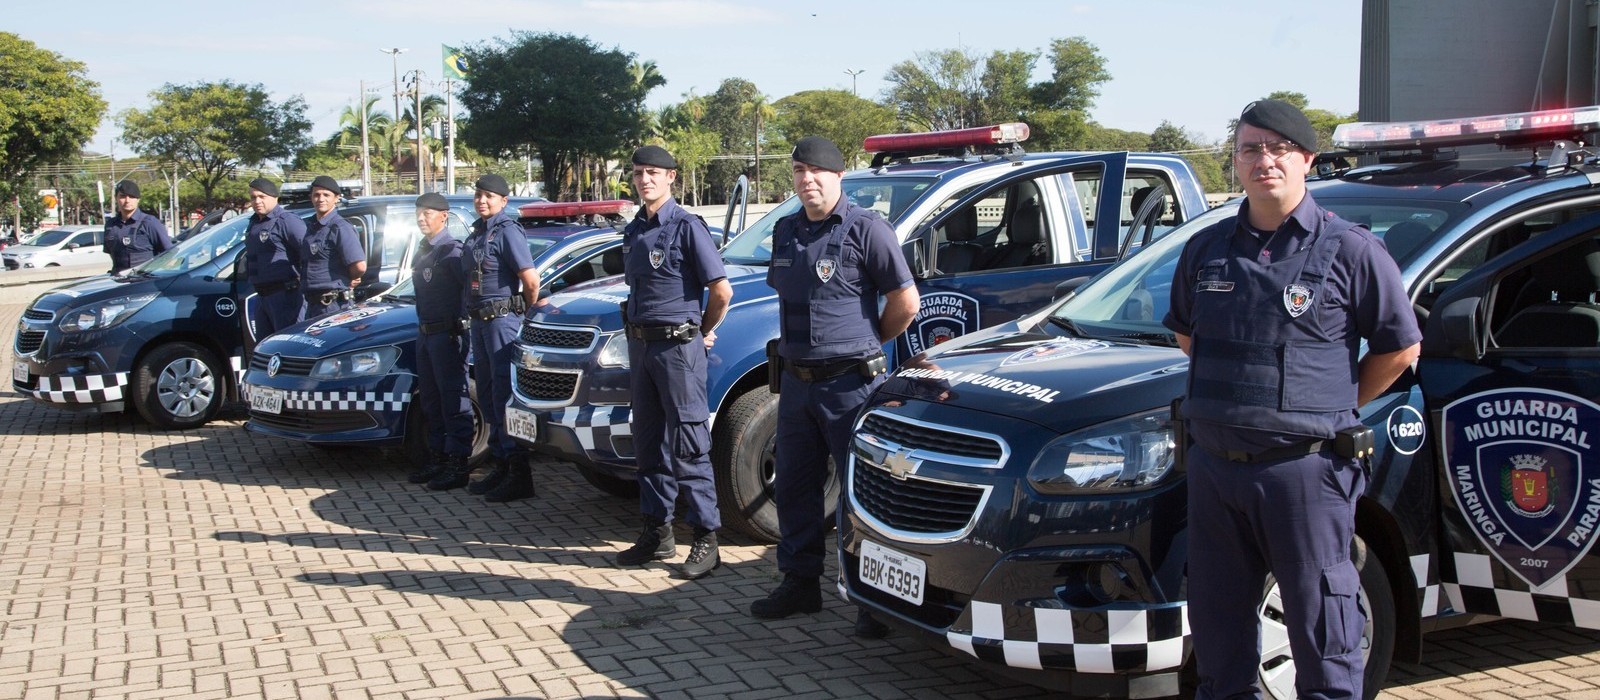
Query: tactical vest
[(437, 276), (653, 264), (1261, 359), (827, 312)]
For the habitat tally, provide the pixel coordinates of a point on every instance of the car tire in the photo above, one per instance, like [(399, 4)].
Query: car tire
[(1376, 599), (742, 457), (612, 485), (178, 386)]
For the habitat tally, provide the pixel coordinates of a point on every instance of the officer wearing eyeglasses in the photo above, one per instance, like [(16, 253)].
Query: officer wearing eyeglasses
[(1271, 306)]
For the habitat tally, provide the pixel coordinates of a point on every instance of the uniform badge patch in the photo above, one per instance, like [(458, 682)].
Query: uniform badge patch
[(427, 274), (1526, 476), (825, 269), (478, 253), (263, 236), (656, 258), (1296, 299), (316, 248), (127, 240), (940, 317)]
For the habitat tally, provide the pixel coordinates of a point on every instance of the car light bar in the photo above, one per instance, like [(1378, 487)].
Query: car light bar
[(1012, 132), (1519, 127), (539, 210)]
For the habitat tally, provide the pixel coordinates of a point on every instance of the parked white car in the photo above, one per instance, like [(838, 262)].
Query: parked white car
[(65, 245)]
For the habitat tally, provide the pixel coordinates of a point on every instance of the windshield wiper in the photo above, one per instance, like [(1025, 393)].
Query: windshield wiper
[(1068, 324), (1162, 339)]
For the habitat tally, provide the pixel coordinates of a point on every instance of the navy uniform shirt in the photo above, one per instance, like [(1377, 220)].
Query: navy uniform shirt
[(499, 249), (440, 280), (134, 240), (1363, 296), (668, 260), (330, 246), (868, 263), (272, 244)]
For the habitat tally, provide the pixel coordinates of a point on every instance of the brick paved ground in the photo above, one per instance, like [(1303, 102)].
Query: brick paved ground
[(218, 563)]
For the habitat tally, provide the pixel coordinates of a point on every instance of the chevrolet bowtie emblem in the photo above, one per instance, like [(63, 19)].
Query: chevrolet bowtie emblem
[(900, 464)]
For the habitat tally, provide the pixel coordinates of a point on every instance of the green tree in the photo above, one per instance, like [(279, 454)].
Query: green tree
[(48, 110), (213, 129), (759, 111), (842, 117), (1006, 94), (1077, 70), (937, 90), (1170, 138), (735, 131), (558, 94)]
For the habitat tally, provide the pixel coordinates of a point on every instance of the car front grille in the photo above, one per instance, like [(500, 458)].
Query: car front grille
[(546, 386), (912, 504), (315, 422), (294, 366), (29, 341), (933, 439), (38, 315), (557, 338)]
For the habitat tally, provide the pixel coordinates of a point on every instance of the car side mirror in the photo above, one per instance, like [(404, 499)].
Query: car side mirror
[(1068, 287), (72, 246), (1455, 330), (915, 251)]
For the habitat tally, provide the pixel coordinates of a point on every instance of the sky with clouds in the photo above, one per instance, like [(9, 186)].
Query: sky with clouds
[(1193, 63)]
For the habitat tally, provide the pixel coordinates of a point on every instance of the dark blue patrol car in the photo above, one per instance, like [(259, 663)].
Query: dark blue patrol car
[(988, 230), (350, 378), (1014, 495)]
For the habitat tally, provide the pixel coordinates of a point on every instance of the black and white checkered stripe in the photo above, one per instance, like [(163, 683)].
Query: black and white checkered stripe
[(595, 423), (395, 400), (91, 388), (1473, 590), (1109, 641)]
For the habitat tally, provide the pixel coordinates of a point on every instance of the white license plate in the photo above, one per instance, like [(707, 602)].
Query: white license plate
[(522, 425), (896, 573), (266, 399), (19, 371)]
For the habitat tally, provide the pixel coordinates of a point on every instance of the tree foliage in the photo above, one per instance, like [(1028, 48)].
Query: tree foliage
[(937, 90), (48, 110), (557, 94), (726, 116), (838, 115), (1077, 70), (213, 129)]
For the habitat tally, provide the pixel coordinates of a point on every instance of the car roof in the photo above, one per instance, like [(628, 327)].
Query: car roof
[(1442, 180)]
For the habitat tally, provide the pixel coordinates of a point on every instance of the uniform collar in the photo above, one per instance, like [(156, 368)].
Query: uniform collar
[(131, 217), (440, 238), (668, 212), (329, 219), (839, 209), (489, 222), (1305, 215)]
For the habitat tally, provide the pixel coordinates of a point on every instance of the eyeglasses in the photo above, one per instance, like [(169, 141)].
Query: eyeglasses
[(1251, 152)]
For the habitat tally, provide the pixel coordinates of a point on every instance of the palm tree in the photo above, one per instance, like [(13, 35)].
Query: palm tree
[(349, 135), (433, 111), (762, 110)]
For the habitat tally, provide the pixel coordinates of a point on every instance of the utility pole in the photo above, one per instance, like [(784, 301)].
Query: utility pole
[(394, 56), (416, 94), (853, 74), (366, 162)]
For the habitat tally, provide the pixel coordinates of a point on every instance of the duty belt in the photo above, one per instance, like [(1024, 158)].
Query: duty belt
[(453, 325), (682, 332), (1299, 449), (326, 297), (810, 373), (495, 308), (275, 287)]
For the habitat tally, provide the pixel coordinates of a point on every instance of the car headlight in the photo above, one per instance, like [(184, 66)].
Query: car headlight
[(360, 363), (104, 314), (1128, 453), (615, 353)]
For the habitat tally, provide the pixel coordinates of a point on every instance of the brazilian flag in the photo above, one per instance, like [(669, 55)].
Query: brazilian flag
[(455, 63)]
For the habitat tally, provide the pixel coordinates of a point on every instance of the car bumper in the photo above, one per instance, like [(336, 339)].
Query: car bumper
[(580, 408), (366, 410), (50, 368)]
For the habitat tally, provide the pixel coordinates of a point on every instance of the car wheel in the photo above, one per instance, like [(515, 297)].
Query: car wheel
[(615, 486), (178, 386), (1377, 638), (415, 444), (743, 459)]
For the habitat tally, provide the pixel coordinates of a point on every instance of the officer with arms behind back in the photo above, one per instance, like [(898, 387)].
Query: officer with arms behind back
[(331, 259), (830, 263), (668, 258), (441, 352), (272, 259), (132, 237), (1271, 306), (501, 284)]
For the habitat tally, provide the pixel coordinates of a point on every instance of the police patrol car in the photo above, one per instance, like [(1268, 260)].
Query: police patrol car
[(169, 337), (988, 230), (350, 377), (1014, 494)]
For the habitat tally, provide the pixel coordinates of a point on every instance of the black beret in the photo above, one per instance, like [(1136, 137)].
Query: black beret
[(433, 200), (1282, 117), (818, 152), (654, 155), (493, 183), (326, 183), (129, 188), (264, 186)]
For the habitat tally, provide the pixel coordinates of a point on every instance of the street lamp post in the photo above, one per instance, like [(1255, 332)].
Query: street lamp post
[(853, 74), (394, 55)]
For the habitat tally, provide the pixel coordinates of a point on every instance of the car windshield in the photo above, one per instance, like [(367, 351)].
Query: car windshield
[(1129, 300), (889, 196), (199, 250), (406, 291), (53, 237)]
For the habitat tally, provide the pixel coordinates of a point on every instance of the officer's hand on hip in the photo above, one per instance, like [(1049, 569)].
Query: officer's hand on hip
[(710, 338)]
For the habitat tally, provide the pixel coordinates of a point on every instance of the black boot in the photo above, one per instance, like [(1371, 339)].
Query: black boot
[(517, 484), (497, 472), (656, 541), (797, 594), (703, 556), (432, 469), (868, 627), (455, 474)]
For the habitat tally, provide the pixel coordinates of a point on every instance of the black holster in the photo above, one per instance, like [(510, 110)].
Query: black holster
[(774, 367), (1354, 443)]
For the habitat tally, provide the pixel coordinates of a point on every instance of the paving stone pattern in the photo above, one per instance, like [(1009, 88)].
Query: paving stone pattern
[(217, 563)]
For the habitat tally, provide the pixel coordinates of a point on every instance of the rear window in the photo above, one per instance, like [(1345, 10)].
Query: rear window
[(1405, 225)]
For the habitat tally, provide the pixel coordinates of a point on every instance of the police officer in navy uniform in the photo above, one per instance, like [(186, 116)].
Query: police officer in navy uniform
[(1271, 306), (501, 285), (669, 261), (272, 259), (331, 258), (441, 349), (132, 237), (830, 264)]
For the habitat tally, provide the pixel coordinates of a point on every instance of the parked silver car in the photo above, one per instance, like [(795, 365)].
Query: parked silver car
[(65, 245)]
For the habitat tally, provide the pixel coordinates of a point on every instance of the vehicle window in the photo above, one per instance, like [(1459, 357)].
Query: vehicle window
[(753, 246), (51, 237), (1137, 189), (1006, 229), (201, 248), (590, 264), (1484, 248), (1087, 185), (456, 226), (82, 238), (1550, 302)]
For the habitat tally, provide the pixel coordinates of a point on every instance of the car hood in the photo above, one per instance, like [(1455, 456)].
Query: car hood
[(1061, 383), (369, 325), (26, 249), (598, 303), (97, 288)]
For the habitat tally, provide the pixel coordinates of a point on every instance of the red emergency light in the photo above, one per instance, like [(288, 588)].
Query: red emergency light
[(1516, 128), (1012, 132), (549, 210)]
